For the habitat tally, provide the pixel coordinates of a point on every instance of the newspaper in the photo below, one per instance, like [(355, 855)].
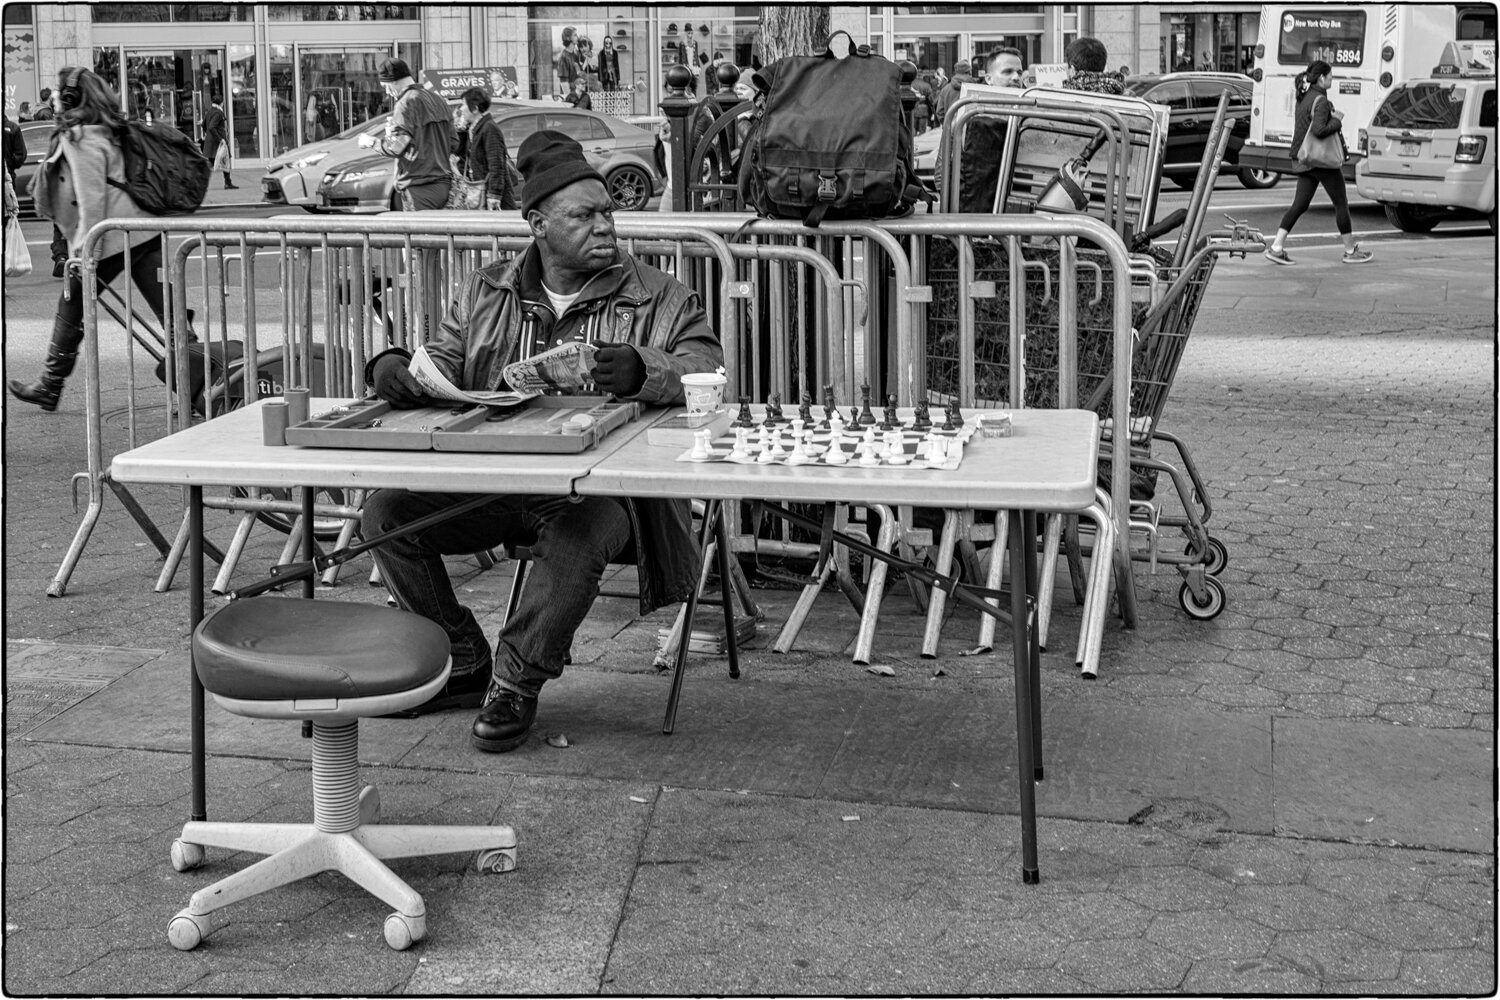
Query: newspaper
[(437, 385), (565, 367)]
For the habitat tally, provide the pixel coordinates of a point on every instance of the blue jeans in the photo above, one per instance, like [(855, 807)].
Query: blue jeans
[(571, 544)]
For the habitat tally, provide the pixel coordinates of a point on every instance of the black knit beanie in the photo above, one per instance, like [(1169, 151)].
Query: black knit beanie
[(550, 161)]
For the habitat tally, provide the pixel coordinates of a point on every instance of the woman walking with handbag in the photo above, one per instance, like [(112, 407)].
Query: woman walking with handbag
[(1318, 155)]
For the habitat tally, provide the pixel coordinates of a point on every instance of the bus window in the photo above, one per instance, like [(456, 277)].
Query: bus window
[(1335, 36), (1476, 23)]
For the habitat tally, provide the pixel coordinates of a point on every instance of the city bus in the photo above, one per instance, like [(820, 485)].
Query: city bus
[(1371, 47)]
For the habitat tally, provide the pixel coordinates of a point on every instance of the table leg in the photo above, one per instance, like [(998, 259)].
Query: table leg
[(1034, 658), (309, 543), (710, 511), (726, 587), (195, 686), (1020, 542)]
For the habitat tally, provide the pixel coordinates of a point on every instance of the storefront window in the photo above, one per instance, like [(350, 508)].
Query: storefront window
[(339, 89), (1177, 44), (16, 13), (148, 13), (241, 105), (341, 12), (173, 86)]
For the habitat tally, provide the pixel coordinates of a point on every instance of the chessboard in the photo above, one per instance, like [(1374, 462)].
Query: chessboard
[(896, 440)]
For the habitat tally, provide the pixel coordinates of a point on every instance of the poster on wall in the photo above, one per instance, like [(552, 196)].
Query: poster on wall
[(20, 71), (450, 84)]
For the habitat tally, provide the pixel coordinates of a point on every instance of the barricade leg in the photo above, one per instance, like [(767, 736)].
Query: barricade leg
[(993, 579), (233, 553), (59, 583), (937, 598), (875, 585)]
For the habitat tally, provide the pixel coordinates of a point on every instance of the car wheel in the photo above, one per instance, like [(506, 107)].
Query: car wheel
[(395, 202), (630, 187), (1410, 218), (1184, 181), (1257, 180)]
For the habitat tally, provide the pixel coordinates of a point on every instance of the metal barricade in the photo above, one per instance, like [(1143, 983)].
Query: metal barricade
[(323, 325)]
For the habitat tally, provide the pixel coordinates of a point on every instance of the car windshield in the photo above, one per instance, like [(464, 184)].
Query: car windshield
[(1426, 105)]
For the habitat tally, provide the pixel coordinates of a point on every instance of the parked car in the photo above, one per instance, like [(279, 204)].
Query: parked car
[(292, 178), (37, 135), (1192, 99), (622, 152), (1431, 150)]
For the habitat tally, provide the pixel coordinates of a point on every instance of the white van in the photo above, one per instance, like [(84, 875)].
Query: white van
[(1371, 47)]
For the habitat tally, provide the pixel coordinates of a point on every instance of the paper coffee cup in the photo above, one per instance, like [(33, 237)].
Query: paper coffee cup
[(704, 391)]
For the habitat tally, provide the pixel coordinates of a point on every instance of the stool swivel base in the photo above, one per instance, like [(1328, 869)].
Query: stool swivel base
[(346, 834)]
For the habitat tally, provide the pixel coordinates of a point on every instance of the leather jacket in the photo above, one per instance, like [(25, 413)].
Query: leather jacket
[(500, 312)]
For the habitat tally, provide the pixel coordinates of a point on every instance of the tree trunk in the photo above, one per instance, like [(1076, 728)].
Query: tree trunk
[(792, 30)]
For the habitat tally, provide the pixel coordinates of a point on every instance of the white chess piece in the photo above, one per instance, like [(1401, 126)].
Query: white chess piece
[(799, 455), (778, 450), (836, 425), (895, 448), (701, 451), (835, 454), (867, 454), (765, 457), (937, 450), (741, 443)]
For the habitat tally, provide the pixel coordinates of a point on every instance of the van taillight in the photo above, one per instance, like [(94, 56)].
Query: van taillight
[(1470, 149), (1363, 142)]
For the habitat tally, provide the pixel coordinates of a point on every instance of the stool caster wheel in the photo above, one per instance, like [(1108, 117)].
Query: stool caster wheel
[(369, 805), (186, 856), (187, 930), (401, 931), (497, 861)]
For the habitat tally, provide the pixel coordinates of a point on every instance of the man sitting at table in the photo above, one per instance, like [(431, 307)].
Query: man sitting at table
[(571, 283)]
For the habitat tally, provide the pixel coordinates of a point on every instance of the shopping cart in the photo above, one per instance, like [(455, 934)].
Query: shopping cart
[(1161, 339)]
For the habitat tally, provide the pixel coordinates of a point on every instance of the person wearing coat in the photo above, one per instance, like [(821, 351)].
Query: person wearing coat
[(216, 140), (573, 283), (73, 188), (485, 154)]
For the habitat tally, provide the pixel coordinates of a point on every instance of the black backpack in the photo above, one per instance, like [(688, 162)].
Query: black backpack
[(828, 141), (165, 172)]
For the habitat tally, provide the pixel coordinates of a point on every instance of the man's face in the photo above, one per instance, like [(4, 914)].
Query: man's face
[(577, 228), (1005, 71)]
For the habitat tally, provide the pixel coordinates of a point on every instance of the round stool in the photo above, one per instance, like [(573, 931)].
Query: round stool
[(329, 663)]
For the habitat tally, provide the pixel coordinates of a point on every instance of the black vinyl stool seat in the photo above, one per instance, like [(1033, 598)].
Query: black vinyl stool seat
[(329, 663)]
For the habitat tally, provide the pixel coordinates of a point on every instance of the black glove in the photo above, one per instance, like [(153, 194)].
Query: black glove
[(618, 369), (397, 385)]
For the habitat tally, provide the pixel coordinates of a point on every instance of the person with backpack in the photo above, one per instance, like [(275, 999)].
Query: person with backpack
[(80, 182), (1088, 62), (1317, 116), (487, 155)]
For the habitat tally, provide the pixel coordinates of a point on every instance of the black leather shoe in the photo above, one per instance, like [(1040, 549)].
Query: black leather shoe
[(464, 691), (504, 724), (59, 267)]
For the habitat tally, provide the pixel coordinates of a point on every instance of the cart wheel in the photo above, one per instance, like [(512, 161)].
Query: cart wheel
[(1212, 606), (1218, 556)]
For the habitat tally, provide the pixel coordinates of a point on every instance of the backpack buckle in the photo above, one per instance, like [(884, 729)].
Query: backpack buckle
[(828, 187)]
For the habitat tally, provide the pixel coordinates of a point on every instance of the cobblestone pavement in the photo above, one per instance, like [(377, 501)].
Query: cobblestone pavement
[(1348, 451)]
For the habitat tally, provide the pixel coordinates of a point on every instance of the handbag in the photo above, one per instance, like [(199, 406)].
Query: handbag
[(1321, 151), (17, 254), (464, 194)]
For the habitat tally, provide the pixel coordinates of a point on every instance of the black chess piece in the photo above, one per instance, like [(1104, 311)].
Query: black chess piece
[(773, 410), (865, 416), (922, 420), (828, 406), (746, 418), (891, 421), (955, 419), (804, 411)]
